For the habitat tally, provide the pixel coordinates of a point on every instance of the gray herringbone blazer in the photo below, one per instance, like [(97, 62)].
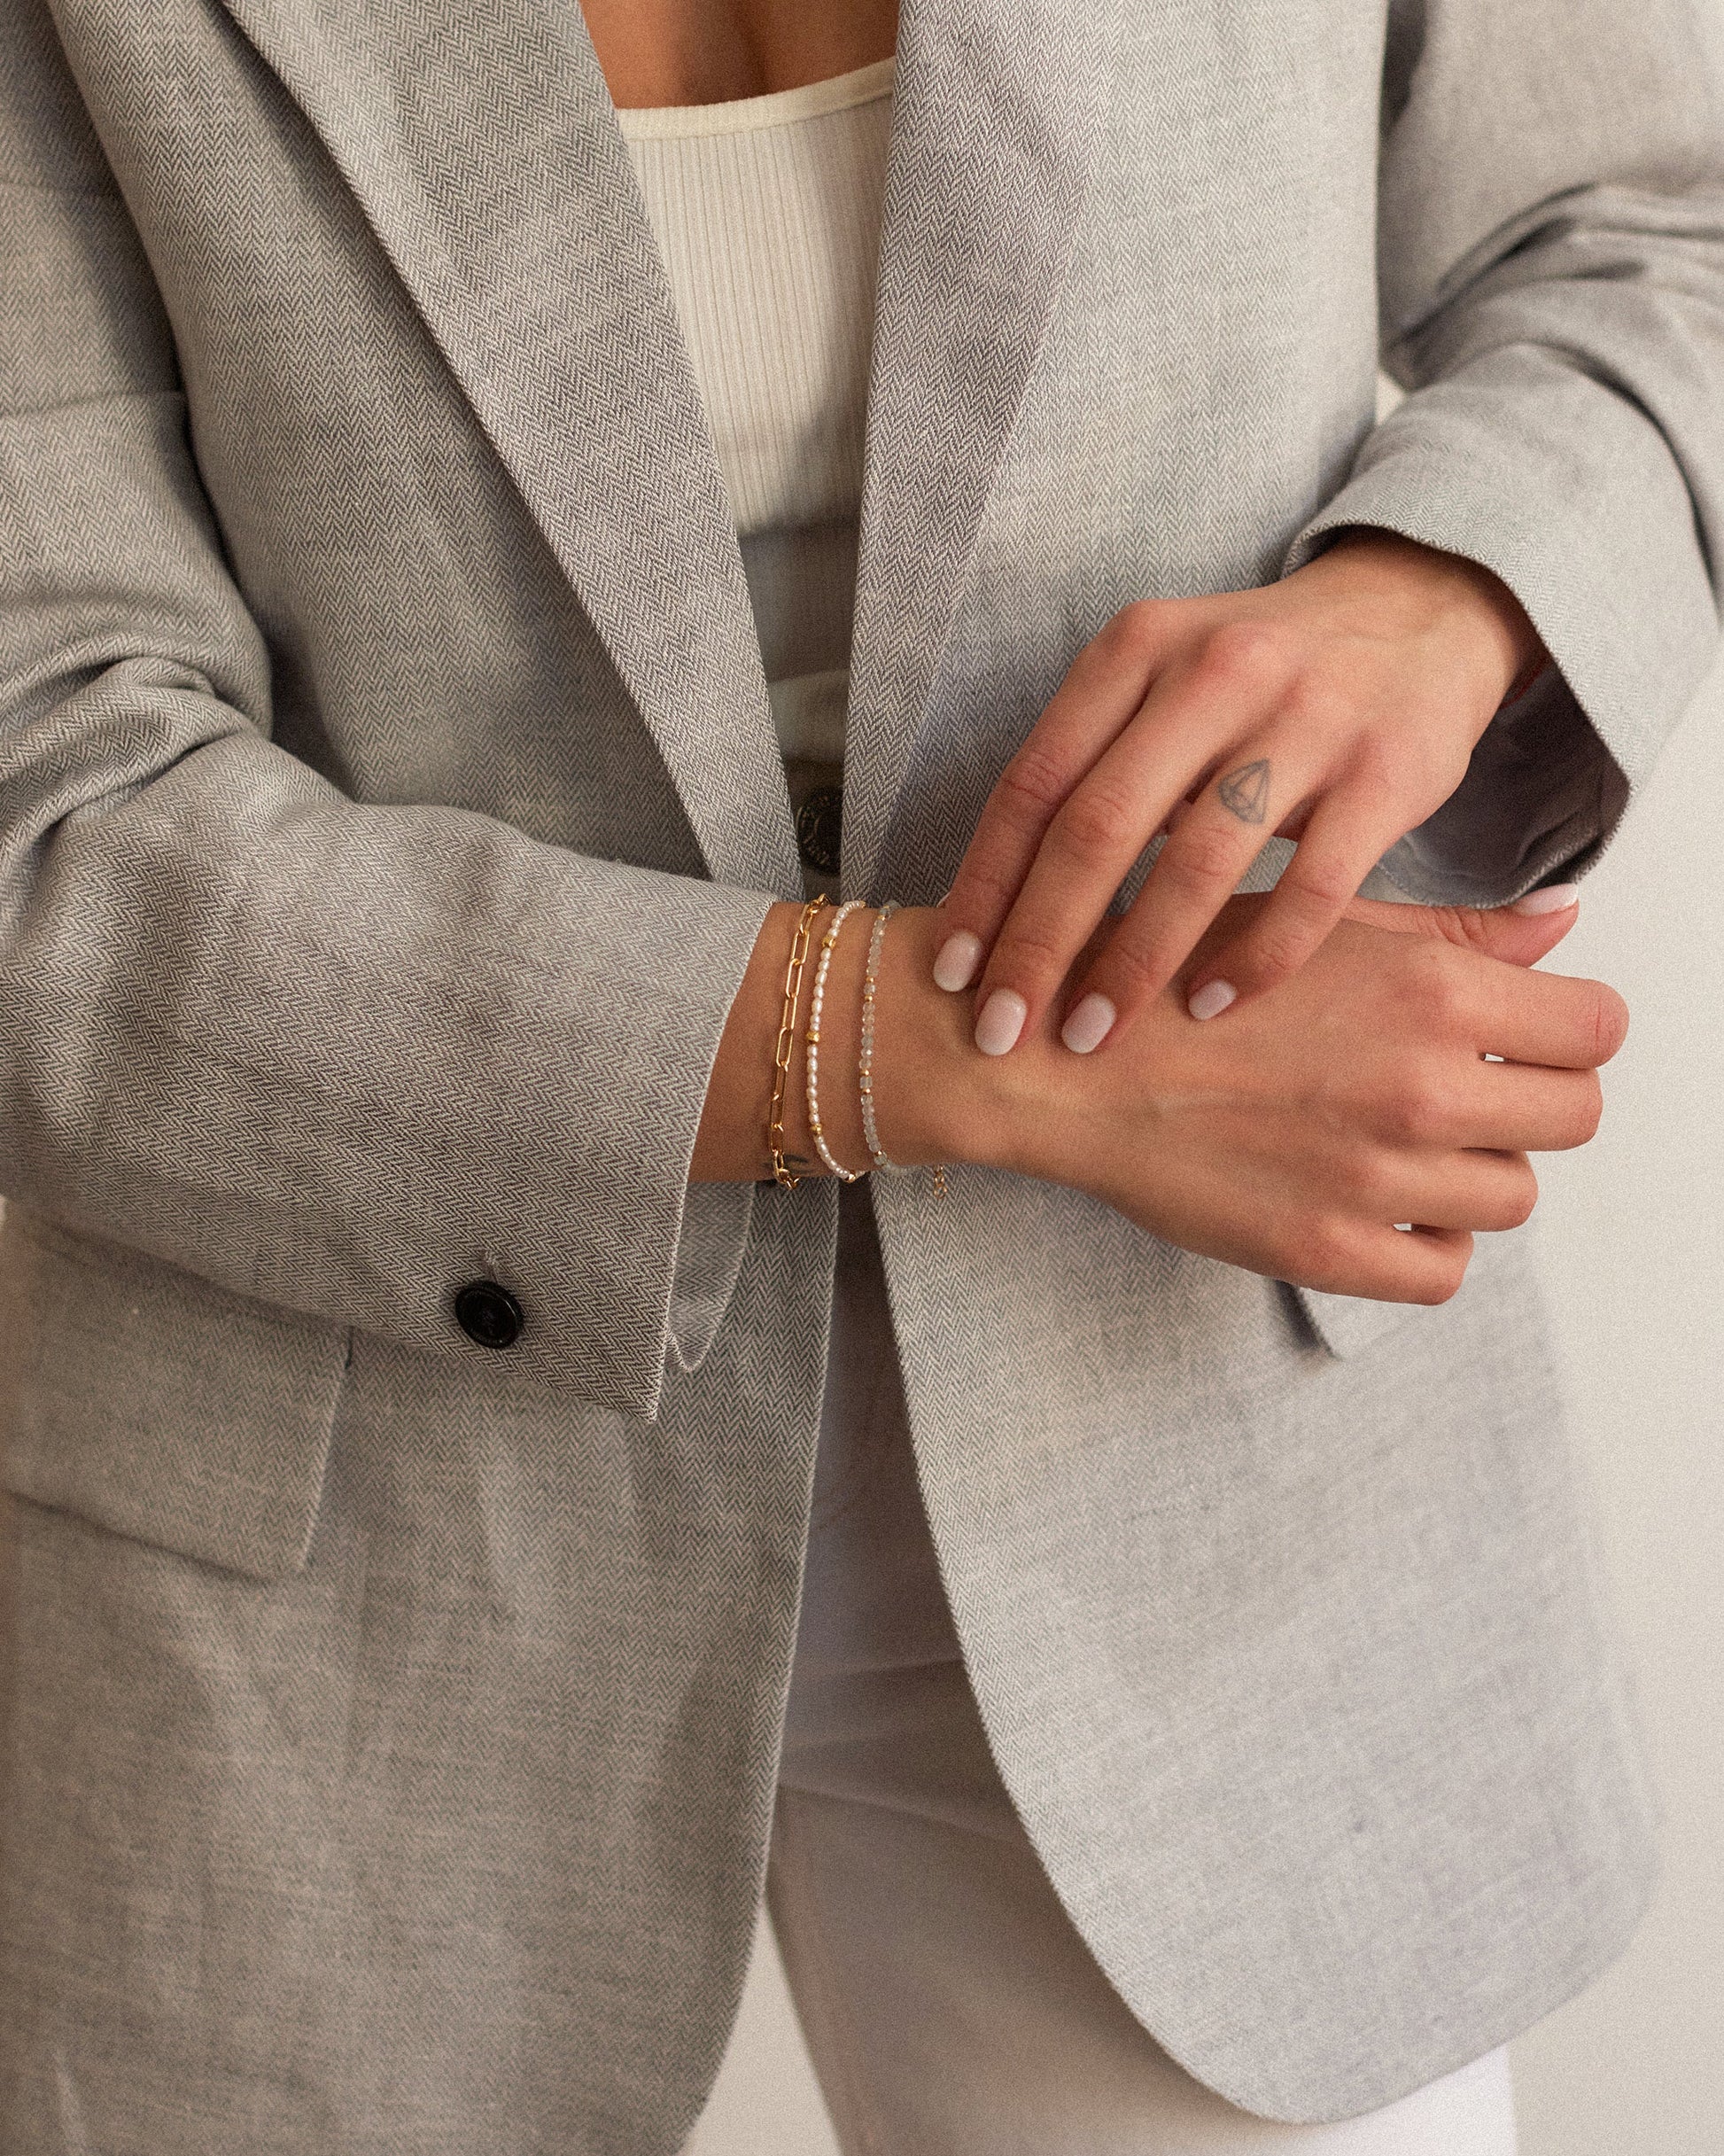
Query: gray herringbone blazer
[(388, 803)]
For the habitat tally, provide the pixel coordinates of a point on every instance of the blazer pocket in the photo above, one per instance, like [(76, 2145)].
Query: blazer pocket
[(1348, 1324), (152, 1403)]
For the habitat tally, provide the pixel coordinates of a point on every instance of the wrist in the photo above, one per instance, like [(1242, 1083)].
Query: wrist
[(936, 1097), (830, 1062), (1510, 651)]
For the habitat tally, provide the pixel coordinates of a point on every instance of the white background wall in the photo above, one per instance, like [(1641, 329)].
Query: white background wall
[(1634, 1234)]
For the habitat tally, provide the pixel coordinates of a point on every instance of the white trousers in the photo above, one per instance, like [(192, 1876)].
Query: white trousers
[(951, 2007)]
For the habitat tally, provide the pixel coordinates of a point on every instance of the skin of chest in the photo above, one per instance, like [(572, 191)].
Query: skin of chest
[(658, 52)]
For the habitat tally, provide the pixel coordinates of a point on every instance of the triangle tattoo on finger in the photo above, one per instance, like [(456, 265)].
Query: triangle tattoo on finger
[(1245, 791)]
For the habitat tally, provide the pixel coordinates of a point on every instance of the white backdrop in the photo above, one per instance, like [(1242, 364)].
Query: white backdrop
[(1633, 1239)]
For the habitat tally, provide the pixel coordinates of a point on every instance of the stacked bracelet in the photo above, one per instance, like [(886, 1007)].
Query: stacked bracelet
[(865, 1061), (785, 1049), (785, 1046), (828, 943)]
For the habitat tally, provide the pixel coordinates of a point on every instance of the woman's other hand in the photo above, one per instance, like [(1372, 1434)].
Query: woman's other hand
[(1300, 1139), (1337, 708)]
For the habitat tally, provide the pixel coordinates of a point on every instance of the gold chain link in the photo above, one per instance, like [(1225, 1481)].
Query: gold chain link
[(786, 1042)]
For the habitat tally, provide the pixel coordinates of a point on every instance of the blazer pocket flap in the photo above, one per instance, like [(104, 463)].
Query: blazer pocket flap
[(152, 1403)]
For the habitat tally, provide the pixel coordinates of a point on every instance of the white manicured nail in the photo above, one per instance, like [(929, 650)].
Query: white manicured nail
[(1088, 1025), (958, 957), (1212, 998), (1001, 1021), (1554, 899)]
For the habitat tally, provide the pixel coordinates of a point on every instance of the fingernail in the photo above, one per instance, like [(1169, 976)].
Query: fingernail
[(1088, 1024), (1001, 1021), (1212, 998), (1554, 899), (958, 957)]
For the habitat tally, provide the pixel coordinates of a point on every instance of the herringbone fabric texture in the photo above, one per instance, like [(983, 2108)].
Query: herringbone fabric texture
[(388, 803)]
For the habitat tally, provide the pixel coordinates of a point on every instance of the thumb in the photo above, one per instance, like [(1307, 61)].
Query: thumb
[(1505, 933)]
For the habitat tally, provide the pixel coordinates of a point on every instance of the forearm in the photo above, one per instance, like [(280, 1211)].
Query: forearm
[(343, 1057)]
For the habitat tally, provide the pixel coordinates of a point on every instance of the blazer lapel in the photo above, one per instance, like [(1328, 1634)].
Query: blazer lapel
[(999, 113), (479, 139)]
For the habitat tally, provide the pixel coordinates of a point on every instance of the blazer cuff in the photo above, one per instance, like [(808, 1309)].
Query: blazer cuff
[(1630, 628), (714, 1234)]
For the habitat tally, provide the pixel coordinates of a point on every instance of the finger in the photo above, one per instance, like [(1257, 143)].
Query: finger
[(1343, 841), (1494, 1009), (1098, 699), (1195, 873), (1554, 1019), (1387, 1265), (1084, 859), (1492, 1107), (1092, 841), (1524, 1107), (1443, 1188), (1464, 1103), (1189, 714), (1520, 934)]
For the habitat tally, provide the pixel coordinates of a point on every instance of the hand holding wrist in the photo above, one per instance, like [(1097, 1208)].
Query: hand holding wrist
[(1337, 708), (1292, 1142), (1295, 1141)]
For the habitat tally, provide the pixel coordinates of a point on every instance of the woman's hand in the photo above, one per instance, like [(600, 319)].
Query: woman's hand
[(1297, 1138), (1339, 708), (1292, 1140)]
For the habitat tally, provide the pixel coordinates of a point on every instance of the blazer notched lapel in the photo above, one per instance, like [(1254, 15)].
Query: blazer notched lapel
[(479, 140), (1001, 108)]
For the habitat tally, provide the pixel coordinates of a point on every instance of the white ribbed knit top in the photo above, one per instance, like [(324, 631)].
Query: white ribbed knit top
[(766, 212)]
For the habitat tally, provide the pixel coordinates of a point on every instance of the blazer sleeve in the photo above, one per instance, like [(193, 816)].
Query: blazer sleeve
[(1551, 277), (340, 1057)]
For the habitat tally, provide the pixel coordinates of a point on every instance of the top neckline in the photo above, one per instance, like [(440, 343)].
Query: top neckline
[(778, 108)]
